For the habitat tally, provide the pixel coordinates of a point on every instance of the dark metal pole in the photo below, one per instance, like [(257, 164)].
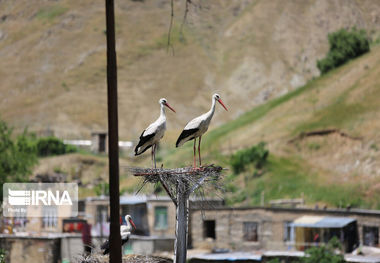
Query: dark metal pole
[(113, 136)]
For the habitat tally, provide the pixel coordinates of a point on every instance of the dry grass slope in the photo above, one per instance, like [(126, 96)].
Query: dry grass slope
[(52, 71), (340, 167), (53, 58)]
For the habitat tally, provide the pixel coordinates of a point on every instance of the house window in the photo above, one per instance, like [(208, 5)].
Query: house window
[(370, 236), (49, 216), (250, 231), (287, 231), (160, 217), (209, 229)]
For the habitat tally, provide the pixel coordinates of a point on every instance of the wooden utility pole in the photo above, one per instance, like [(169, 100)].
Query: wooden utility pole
[(113, 136), (182, 220)]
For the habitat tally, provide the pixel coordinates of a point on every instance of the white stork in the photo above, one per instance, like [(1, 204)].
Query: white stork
[(125, 232), (153, 134), (197, 127)]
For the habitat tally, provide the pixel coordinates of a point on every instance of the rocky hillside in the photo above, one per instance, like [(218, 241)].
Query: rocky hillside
[(52, 58), (323, 139)]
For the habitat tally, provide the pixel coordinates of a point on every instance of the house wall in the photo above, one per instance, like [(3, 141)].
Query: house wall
[(229, 226), (42, 250), (72, 247), (149, 246), (229, 229), (138, 212), (91, 210), (146, 217), (96, 139), (35, 224), (170, 230)]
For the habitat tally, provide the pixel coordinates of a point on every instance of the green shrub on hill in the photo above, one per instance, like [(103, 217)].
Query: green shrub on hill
[(102, 189), (17, 155), (256, 155), (344, 46), (53, 146)]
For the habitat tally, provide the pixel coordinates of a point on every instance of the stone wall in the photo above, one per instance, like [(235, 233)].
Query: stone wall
[(41, 250), (229, 225)]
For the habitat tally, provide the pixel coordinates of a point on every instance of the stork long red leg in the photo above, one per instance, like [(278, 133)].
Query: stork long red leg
[(194, 163), (199, 151), (154, 154)]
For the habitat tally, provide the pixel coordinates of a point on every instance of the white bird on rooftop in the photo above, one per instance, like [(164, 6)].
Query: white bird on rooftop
[(153, 134), (125, 232), (197, 127)]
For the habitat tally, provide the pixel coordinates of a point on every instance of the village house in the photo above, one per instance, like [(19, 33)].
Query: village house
[(212, 226), (274, 228), (153, 215)]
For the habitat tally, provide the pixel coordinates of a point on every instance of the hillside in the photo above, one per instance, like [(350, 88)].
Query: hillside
[(322, 132), (323, 140), (52, 58)]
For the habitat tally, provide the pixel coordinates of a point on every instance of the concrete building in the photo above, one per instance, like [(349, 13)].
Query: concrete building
[(99, 142), (152, 215), (36, 238), (269, 228)]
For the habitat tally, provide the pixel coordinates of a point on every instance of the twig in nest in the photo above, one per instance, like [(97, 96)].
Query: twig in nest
[(190, 179)]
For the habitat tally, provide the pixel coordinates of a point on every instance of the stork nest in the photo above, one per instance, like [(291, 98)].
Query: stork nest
[(147, 259), (97, 258), (186, 180)]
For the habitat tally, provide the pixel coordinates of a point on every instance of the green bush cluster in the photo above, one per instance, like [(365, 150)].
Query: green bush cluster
[(256, 155), (344, 46), (2, 256), (17, 155), (325, 253), (53, 146), (102, 189)]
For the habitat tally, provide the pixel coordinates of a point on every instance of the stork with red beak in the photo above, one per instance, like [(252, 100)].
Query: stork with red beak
[(153, 134), (197, 127), (125, 232)]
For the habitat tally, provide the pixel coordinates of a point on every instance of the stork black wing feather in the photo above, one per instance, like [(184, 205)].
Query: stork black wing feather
[(143, 140), (106, 247), (123, 241), (184, 134)]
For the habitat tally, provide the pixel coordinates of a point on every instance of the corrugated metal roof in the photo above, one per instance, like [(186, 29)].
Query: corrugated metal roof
[(362, 259), (233, 256), (322, 222), (132, 200), (286, 253)]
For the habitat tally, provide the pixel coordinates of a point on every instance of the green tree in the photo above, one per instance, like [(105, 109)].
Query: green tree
[(102, 189), (325, 253), (17, 156), (2, 256), (344, 46), (256, 155), (49, 146)]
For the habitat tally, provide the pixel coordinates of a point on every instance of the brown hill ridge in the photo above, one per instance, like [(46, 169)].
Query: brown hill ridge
[(52, 57)]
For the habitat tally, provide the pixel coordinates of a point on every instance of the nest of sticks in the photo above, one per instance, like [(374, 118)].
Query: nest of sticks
[(97, 258), (186, 180)]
